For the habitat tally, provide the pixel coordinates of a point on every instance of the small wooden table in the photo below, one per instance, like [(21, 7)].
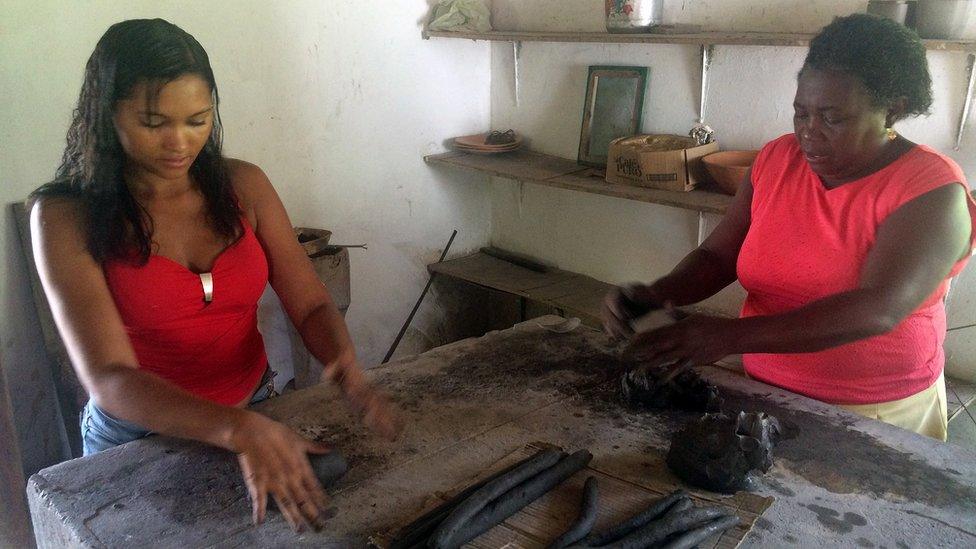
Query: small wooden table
[(838, 480)]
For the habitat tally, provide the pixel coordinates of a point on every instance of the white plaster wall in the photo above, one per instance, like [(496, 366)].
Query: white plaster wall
[(336, 101), (749, 103)]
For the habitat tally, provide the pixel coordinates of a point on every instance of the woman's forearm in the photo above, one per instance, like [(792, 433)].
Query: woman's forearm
[(325, 335), (161, 407), (822, 324)]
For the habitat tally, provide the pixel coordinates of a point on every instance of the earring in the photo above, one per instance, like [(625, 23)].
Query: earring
[(891, 133)]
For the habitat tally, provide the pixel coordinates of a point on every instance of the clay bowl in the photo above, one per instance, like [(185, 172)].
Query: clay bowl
[(728, 168)]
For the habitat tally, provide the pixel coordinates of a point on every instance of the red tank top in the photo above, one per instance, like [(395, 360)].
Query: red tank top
[(806, 242), (212, 350)]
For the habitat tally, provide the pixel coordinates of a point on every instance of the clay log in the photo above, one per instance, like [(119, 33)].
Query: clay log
[(673, 522), (417, 532), (515, 499), (470, 507), (586, 519), (691, 538), (653, 512)]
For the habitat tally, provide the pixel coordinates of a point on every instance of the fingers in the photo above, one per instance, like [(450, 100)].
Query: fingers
[(257, 493), (289, 508), (616, 322)]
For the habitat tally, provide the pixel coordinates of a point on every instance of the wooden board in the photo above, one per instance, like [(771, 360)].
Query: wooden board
[(707, 37), (573, 293), (552, 171), (543, 520)]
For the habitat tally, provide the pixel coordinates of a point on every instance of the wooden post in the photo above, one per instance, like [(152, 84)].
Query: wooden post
[(15, 526)]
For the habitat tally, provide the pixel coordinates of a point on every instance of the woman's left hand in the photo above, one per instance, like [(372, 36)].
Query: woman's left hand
[(372, 405), (697, 339)]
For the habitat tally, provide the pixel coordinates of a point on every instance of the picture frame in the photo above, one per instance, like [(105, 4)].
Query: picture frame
[(613, 108)]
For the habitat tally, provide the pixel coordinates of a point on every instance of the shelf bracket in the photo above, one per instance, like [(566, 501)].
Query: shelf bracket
[(516, 55), (706, 63), (971, 71)]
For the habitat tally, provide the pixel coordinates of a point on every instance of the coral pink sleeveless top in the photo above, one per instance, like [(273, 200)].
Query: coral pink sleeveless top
[(806, 242), (212, 350)]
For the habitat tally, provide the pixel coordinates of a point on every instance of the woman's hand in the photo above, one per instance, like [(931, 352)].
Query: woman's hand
[(625, 303), (274, 460), (365, 400), (697, 339)]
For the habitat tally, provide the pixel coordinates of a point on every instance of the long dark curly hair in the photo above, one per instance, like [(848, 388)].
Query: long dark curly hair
[(131, 52), (888, 58)]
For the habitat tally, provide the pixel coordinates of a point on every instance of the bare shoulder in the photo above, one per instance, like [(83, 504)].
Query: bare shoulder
[(249, 181), (58, 217)]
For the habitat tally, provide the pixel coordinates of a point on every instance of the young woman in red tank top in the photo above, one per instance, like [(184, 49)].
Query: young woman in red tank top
[(844, 234), (153, 250)]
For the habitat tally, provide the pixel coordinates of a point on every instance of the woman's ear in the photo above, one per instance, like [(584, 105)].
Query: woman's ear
[(896, 110)]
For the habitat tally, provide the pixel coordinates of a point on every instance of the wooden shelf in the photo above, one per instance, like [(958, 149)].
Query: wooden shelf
[(573, 293), (552, 171), (706, 38)]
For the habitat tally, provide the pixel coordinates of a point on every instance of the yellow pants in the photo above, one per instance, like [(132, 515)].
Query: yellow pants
[(924, 412)]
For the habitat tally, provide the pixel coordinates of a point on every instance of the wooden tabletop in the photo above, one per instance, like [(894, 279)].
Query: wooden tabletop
[(838, 480)]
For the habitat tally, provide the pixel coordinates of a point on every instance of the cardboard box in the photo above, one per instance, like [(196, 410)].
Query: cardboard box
[(669, 162)]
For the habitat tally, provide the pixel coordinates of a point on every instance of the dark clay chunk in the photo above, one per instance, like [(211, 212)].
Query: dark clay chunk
[(328, 468), (515, 499), (648, 387), (586, 519), (653, 512), (463, 513), (719, 453)]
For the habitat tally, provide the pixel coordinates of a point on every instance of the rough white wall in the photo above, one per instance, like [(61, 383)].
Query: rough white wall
[(749, 102), (336, 101)]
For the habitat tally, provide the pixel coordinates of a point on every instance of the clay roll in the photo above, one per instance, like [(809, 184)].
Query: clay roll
[(417, 532), (515, 499), (459, 518), (692, 538), (586, 519), (675, 521), (655, 511)]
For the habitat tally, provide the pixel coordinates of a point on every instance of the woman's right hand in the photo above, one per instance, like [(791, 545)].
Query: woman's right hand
[(624, 304), (274, 460)]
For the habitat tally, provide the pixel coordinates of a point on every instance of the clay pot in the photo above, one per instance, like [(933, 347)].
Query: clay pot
[(728, 168)]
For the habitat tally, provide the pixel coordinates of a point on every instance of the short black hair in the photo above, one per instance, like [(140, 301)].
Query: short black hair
[(888, 58)]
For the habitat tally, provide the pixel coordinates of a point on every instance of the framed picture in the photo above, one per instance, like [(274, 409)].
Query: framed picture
[(613, 108)]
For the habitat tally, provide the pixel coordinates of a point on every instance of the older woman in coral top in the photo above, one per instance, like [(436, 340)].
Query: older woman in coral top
[(153, 250), (844, 234)]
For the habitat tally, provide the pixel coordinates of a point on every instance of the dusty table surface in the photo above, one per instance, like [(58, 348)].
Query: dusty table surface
[(839, 480)]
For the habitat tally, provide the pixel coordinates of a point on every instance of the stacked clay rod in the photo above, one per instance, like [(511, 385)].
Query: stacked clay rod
[(671, 522), (480, 507)]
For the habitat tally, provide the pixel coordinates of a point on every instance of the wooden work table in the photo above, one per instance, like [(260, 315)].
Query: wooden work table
[(838, 480)]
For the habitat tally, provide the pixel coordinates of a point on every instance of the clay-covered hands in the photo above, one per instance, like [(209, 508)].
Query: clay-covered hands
[(624, 304), (367, 401), (274, 460), (696, 339)]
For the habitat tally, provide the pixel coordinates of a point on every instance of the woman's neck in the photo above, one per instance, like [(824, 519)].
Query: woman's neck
[(147, 187)]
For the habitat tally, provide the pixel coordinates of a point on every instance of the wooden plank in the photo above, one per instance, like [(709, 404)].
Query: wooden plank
[(575, 294), (521, 164), (71, 395), (552, 171), (498, 274), (15, 526), (709, 37)]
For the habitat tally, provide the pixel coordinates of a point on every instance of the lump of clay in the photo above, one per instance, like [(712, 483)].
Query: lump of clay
[(720, 453), (648, 387)]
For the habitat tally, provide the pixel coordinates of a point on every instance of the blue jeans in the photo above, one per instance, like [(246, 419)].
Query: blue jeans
[(100, 431)]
